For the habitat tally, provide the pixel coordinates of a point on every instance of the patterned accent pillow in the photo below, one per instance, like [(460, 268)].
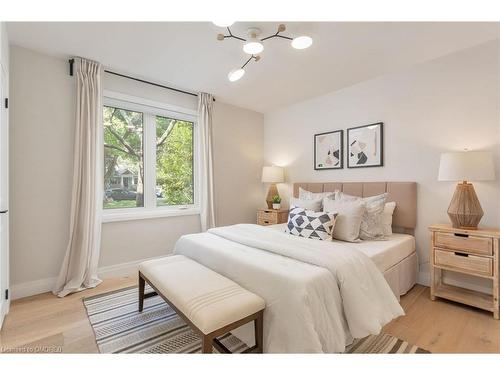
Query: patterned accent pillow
[(387, 217), (310, 224), (371, 226), (308, 195)]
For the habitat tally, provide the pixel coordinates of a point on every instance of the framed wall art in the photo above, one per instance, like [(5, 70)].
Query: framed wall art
[(365, 146), (329, 150)]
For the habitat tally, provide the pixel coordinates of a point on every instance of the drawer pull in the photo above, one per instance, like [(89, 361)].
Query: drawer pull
[(461, 254), (265, 221), (461, 235)]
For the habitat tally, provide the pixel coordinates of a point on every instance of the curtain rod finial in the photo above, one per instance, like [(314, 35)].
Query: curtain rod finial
[(71, 62)]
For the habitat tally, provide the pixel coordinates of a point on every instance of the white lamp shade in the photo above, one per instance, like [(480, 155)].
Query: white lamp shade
[(253, 46), (272, 174), (235, 74), (223, 23), (302, 42), (466, 166)]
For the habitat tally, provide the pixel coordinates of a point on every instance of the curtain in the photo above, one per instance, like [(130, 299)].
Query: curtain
[(205, 111), (79, 268)]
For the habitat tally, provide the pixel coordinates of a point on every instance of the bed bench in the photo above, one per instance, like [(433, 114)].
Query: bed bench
[(210, 303)]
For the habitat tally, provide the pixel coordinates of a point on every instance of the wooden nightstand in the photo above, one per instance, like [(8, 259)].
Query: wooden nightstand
[(472, 252), (267, 216)]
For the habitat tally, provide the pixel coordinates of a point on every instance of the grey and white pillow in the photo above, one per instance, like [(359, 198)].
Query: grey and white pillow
[(371, 226), (309, 224), (348, 222), (387, 217), (308, 195), (308, 204)]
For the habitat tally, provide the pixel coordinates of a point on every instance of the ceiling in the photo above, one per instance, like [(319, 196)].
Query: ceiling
[(188, 56)]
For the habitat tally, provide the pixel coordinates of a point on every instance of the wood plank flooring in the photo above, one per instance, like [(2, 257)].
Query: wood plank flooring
[(61, 324)]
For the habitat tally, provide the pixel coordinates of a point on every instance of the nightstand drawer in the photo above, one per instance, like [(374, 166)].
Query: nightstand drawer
[(262, 221), (464, 243), (267, 215), (462, 262), (270, 217)]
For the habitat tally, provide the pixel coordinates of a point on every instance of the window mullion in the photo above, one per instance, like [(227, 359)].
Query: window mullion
[(149, 161)]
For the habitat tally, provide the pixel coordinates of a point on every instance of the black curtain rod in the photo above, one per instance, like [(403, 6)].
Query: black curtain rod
[(72, 61)]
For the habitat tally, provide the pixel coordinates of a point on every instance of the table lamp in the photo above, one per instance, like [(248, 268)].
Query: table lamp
[(465, 210), (272, 175)]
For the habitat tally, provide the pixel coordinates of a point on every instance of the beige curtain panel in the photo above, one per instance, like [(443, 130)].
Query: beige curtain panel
[(205, 112), (79, 268)]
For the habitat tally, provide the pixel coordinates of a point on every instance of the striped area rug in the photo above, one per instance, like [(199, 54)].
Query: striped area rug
[(120, 328), (383, 344)]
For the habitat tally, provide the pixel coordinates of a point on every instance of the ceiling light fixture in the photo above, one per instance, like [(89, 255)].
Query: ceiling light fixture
[(302, 42), (223, 23), (237, 73), (253, 45)]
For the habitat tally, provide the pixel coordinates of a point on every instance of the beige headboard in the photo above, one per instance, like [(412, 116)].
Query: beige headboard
[(403, 193)]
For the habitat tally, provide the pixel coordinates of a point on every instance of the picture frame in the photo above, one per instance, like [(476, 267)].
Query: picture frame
[(329, 150), (365, 146)]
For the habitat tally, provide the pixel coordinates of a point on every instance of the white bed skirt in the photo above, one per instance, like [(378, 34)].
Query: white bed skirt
[(403, 276)]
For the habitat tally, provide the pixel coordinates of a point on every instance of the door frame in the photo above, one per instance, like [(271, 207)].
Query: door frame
[(4, 190)]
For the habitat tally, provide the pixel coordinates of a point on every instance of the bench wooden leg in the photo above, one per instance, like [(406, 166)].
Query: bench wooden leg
[(142, 285), (259, 333), (206, 344)]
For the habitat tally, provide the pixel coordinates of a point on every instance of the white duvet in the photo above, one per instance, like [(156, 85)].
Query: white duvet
[(319, 294)]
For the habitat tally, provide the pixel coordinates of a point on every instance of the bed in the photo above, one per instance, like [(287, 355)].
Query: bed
[(319, 294), (397, 257)]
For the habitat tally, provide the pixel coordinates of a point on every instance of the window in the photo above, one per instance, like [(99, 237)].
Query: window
[(123, 158), (174, 161), (150, 159)]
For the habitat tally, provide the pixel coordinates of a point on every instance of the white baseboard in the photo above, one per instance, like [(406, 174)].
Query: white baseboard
[(32, 288)]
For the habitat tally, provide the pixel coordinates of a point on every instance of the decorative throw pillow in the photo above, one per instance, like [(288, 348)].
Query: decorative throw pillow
[(308, 204), (309, 224), (308, 195), (371, 225), (387, 218), (348, 221)]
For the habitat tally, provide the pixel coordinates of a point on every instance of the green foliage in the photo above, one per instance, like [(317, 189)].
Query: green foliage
[(174, 161), (119, 204), (123, 148), (277, 199)]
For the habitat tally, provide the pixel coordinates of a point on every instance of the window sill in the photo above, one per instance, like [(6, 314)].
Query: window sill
[(141, 214)]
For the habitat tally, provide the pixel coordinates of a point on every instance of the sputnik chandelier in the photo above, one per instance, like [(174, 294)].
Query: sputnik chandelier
[(253, 44)]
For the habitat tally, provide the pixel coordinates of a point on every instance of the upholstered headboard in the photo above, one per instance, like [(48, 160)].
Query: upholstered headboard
[(403, 193)]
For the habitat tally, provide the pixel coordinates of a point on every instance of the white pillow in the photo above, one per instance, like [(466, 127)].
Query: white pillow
[(309, 224), (304, 194), (308, 204), (371, 225), (348, 221), (387, 217)]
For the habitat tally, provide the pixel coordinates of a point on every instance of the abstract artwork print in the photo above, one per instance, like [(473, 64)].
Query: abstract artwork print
[(365, 146), (329, 150)]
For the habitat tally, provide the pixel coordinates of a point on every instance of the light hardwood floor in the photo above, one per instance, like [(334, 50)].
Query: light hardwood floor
[(440, 326)]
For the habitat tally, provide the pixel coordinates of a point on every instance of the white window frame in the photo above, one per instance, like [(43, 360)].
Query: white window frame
[(150, 110)]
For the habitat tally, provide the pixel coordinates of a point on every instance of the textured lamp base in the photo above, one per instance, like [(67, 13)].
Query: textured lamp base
[(465, 210), (273, 190)]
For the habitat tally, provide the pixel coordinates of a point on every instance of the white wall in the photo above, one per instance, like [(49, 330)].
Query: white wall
[(445, 104), (238, 153), (42, 119)]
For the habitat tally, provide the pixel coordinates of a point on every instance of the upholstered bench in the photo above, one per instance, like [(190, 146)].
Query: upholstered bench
[(210, 303)]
